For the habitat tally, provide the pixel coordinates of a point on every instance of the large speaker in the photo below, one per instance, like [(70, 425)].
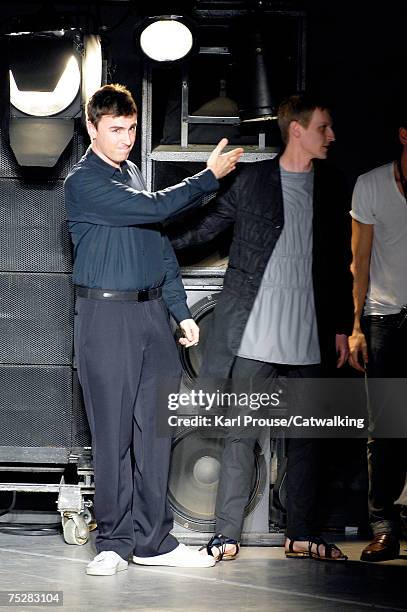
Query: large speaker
[(33, 230), (194, 478), (36, 411), (42, 418), (196, 453), (36, 318), (202, 297)]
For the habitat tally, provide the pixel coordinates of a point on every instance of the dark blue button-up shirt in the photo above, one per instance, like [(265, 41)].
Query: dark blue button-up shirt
[(114, 222)]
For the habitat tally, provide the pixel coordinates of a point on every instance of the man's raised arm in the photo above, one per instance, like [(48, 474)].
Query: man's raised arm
[(116, 204)]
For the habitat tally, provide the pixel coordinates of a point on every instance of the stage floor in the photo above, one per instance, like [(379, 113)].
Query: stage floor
[(260, 579)]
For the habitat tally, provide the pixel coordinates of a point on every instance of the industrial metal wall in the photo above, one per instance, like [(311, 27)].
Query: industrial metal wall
[(41, 411)]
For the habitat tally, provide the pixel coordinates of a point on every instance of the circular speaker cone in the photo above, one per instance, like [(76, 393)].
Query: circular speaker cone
[(191, 359), (194, 478)]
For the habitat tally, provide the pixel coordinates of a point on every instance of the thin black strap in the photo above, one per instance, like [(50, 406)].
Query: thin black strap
[(403, 179)]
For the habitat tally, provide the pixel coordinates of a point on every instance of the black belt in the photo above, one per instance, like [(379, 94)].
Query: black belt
[(398, 317), (121, 296)]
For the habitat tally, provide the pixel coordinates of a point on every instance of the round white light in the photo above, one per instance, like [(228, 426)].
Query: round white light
[(166, 40), (46, 103)]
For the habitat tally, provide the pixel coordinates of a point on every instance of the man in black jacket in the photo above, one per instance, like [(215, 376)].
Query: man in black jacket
[(285, 307)]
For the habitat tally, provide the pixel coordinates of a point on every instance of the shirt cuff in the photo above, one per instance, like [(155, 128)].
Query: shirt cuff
[(210, 182), (180, 311)]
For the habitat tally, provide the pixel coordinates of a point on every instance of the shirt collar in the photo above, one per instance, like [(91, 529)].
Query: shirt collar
[(108, 169)]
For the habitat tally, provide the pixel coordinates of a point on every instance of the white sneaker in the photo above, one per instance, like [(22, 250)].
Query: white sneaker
[(182, 556), (106, 563)]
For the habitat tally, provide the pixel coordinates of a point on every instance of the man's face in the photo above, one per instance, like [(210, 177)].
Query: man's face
[(316, 138), (113, 138)]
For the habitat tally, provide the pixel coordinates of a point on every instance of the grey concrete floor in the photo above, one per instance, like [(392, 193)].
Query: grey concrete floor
[(260, 579)]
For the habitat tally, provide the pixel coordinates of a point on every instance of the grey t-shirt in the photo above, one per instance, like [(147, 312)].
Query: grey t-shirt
[(377, 201), (282, 324)]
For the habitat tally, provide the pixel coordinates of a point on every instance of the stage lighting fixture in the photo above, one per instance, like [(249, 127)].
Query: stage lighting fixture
[(47, 103), (92, 67), (46, 96), (167, 38), (257, 102)]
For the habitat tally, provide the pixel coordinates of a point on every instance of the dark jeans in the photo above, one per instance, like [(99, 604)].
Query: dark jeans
[(238, 461), (387, 458), (125, 354)]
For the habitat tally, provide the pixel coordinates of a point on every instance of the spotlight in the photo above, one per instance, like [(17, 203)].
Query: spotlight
[(46, 96), (47, 103), (167, 38), (257, 103)]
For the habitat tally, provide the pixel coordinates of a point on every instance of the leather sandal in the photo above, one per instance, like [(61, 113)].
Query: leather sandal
[(329, 548), (220, 542), (293, 554), (310, 554)]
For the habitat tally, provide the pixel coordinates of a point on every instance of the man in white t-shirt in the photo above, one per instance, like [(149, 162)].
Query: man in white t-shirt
[(379, 337)]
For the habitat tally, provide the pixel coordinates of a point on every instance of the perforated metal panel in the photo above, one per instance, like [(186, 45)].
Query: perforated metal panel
[(36, 318), (41, 411), (35, 406), (73, 152), (33, 230)]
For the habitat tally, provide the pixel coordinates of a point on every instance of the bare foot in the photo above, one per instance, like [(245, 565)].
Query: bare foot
[(319, 548), (227, 551)]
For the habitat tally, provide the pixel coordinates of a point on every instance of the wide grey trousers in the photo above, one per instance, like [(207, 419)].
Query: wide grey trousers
[(237, 462)]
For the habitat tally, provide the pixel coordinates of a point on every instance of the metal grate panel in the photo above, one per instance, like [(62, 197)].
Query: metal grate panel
[(36, 318), (35, 406), (33, 230)]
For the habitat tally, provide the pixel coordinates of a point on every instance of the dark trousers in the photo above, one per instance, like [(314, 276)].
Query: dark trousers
[(387, 458), (238, 461), (126, 357)]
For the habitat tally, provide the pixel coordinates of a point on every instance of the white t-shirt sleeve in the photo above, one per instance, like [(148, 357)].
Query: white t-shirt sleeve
[(363, 205)]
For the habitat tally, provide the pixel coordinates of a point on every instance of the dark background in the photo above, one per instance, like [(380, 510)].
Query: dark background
[(356, 57)]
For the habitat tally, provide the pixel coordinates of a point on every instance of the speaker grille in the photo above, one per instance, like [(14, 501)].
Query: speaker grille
[(33, 230), (194, 479), (40, 404), (191, 359), (36, 319), (35, 406)]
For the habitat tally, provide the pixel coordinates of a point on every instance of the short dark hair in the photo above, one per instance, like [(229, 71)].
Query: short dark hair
[(297, 108), (115, 100)]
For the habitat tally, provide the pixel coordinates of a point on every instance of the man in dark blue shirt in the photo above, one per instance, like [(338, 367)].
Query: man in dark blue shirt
[(126, 277)]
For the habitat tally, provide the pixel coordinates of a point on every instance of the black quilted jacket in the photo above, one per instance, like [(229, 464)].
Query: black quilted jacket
[(254, 204)]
